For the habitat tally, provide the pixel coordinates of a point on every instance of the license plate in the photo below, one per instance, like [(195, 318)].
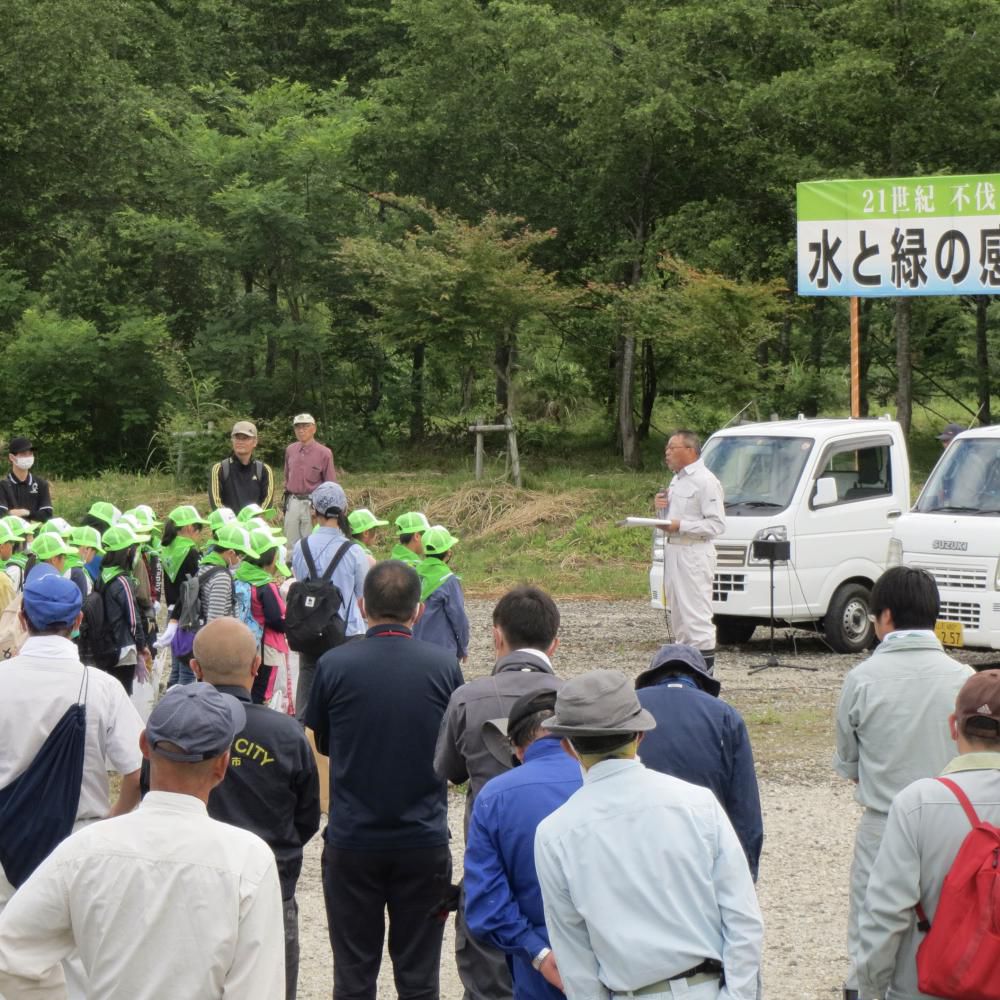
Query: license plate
[(950, 633)]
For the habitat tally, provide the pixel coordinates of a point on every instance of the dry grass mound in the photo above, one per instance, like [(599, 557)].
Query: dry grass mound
[(484, 511)]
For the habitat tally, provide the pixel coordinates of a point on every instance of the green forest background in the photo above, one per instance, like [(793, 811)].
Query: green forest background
[(403, 214)]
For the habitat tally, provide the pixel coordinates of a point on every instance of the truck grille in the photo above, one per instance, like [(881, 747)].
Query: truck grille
[(726, 584), (960, 611), (966, 578), (731, 555)]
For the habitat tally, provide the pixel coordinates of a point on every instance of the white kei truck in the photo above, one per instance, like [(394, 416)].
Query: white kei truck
[(832, 488), (953, 532)]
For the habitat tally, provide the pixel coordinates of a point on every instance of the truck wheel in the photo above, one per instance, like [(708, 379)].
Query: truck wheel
[(846, 623), (731, 631)]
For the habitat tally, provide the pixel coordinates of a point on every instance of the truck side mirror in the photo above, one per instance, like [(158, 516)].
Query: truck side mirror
[(825, 493)]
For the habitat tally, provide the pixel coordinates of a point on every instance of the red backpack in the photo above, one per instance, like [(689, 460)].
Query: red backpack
[(960, 957)]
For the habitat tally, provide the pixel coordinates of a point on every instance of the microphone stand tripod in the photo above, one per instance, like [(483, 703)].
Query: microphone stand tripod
[(773, 551)]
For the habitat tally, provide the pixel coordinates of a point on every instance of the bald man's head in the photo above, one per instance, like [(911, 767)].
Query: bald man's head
[(225, 652)]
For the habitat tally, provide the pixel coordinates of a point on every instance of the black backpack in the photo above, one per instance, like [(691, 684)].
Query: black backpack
[(314, 619), (98, 643)]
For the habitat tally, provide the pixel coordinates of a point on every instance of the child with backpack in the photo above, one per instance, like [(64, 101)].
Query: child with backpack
[(444, 621), (216, 591), (87, 542), (179, 559), (272, 686), (124, 621)]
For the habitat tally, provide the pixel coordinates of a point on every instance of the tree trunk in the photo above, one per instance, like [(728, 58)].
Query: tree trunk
[(812, 404), (648, 388), (983, 360), (468, 387), (417, 395), (904, 371), (626, 423), (271, 358), (504, 357)]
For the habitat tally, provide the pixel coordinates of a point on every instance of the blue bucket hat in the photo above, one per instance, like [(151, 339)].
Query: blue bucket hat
[(50, 599)]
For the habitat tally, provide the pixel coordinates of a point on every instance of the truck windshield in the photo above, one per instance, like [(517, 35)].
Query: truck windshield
[(759, 474), (966, 480)]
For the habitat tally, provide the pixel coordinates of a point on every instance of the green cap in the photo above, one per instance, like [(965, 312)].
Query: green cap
[(186, 514), (143, 516), (263, 539), (56, 525), (106, 512), (133, 522), (438, 540), (18, 525), (120, 536), (411, 523), (8, 534), (87, 537), (253, 510), (49, 545), (219, 517), (363, 519), (234, 536)]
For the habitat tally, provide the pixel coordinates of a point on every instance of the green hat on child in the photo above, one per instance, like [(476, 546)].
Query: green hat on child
[(120, 536), (438, 540), (362, 520), (411, 523), (234, 536), (50, 545), (86, 537), (186, 514), (58, 525)]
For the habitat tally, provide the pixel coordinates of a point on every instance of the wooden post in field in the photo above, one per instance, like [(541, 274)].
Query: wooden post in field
[(479, 429), (855, 356)]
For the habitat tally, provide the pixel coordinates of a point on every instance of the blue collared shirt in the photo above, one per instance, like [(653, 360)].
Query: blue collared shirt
[(349, 576), (642, 878), (503, 901)]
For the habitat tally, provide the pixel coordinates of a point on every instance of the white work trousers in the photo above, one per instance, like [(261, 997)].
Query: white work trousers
[(690, 570)]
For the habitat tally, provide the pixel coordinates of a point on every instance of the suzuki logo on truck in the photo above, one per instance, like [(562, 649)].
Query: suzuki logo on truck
[(943, 543)]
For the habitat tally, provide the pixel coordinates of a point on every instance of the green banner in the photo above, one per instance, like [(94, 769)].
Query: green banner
[(899, 197)]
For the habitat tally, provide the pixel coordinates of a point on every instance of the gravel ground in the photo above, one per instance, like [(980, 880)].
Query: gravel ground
[(809, 813)]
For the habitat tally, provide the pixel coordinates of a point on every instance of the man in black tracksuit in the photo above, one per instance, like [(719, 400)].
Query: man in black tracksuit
[(272, 785), (240, 480), (375, 707)]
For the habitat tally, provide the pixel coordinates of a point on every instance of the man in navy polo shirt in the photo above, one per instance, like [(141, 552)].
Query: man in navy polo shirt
[(21, 493), (375, 708)]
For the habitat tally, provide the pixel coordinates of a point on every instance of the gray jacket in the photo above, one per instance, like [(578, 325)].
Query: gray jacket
[(892, 718), (461, 753), (925, 829)]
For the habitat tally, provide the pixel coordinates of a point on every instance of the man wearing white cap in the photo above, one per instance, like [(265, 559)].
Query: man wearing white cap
[(165, 873), (240, 480), (698, 931), (307, 464)]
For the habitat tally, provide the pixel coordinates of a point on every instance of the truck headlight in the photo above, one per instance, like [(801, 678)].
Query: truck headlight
[(894, 554)]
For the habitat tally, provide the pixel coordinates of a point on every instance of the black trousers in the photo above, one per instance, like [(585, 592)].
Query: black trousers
[(291, 915), (358, 887)]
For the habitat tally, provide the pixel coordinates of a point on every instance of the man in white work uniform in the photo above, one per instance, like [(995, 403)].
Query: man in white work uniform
[(694, 505)]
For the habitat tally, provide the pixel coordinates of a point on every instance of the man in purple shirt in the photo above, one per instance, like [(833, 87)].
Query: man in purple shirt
[(307, 464)]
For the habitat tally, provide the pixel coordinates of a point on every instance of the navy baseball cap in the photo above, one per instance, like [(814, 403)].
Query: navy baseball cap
[(50, 599), (198, 719)]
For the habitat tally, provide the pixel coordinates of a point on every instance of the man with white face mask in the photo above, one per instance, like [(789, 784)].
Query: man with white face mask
[(21, 493)]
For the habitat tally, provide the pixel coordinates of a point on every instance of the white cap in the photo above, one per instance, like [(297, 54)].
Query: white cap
[(304, 418)]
